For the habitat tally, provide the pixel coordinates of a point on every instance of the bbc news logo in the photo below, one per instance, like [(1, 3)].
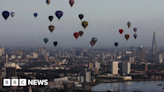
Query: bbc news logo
[(24, 82)]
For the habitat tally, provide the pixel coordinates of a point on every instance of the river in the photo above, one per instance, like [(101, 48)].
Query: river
[(144, 86)]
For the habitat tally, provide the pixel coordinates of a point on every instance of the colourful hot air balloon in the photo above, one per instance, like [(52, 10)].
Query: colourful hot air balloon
[(135, 35), (92, 43), (71, 2), (81, 33), (94, 39), (35, 15), (59, 14), (45, 40), (48, 2), (129, 24), (127, 36), (51, 28), (121, 31), (5, 14), (55, 43), (12, 14), (116, 44), (81, 16), (76, 35), (84, 24), (50, 18), (135, 29)]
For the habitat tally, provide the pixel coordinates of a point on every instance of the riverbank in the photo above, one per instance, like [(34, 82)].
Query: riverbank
[(116, 81)]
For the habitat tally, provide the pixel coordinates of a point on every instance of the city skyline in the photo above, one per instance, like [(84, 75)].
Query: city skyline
[(25, 30)]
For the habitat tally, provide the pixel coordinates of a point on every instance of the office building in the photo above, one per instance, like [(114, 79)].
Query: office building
[(1, 52), (35, 55), (88, 76), (42, 51), (114, 67), (90, 65), (126, 66), (97, 65), (141, 53), (133, 51), (154, 49), (131, 59), (160, 58)]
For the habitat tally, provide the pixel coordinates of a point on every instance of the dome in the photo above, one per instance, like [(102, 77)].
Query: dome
[(140, 46)]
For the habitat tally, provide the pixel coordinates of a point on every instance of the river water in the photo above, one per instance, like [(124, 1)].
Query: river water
[(144, 86)]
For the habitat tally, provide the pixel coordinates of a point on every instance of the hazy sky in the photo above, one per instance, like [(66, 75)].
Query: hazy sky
[(105, 18)]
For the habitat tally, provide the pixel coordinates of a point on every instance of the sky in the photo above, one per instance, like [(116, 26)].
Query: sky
[(105, 18)]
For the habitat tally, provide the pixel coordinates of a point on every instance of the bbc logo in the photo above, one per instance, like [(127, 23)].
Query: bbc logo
[(14, 82)]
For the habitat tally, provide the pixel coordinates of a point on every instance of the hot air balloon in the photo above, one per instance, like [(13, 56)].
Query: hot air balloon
[(35, 15), (135, 35), (92, 43), (45, 40), (81, 16), (129, 24), (50, 18), (71, 2), (121, 31), (51, 28), (94, 39), (81, 33), (116, 44), (135, 29), (48, 2), (59, 14), (76, 35), (55, 43), (84, 24), (5, 14), (12, 14), (127, 36)]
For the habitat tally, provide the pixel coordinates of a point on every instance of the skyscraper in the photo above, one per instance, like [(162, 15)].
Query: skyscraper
[(154, 49), (132, 50), (126, 66), (114, 67)]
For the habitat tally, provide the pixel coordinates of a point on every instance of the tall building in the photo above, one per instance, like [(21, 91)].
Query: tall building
[(126, 68), (160, 58), (97, 65), (141, 53), (90, 65), (114, 67), (35, 55), (131, 59), (154, 49), (42, 51), (1, 52), (88, 76), (133, 51)]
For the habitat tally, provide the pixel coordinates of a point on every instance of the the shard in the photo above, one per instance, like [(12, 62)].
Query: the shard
[(154, 49)]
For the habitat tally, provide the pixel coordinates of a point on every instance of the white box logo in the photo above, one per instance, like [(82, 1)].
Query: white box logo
[(6, 82), (22, 82), (14, 82)]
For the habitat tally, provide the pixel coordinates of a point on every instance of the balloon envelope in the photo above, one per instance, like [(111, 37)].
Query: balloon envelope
[(121, 31), (45, 40), (135, 29), (116, 44), (81, 16), (35, 15), (81, 33), (92, 43), (84, 24), (59, 14), (50, 18), (55, 43), (127, 36), (129, 24), (5, 14), (76, 35), (94, 39), (135, 35), (71, 2), (51, 28), (48, 1), (12, 14)]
